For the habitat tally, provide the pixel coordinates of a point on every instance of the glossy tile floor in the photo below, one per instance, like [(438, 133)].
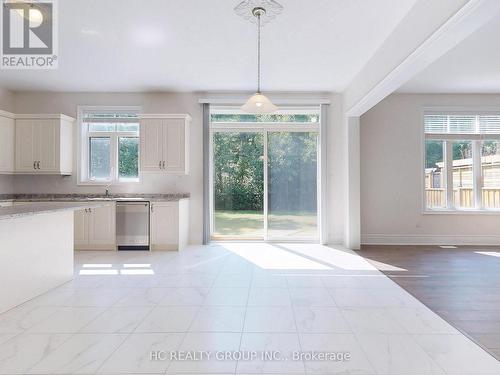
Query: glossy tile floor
[(245, 298)]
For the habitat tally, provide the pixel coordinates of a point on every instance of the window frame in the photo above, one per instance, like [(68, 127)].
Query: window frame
[(265, 128), (84, 135), (448, 138)]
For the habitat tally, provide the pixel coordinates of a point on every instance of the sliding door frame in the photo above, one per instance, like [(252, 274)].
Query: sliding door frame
[(265, 128)]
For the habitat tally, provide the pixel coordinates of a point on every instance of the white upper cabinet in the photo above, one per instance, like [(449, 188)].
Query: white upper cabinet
[(44, 144), (7, 136), (151, 145), (165, 144)]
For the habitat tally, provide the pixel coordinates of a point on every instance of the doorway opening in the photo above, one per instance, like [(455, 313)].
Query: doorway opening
[(265, 175)]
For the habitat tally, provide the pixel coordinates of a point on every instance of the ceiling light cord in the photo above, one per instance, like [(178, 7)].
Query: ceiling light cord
[(258, 52)]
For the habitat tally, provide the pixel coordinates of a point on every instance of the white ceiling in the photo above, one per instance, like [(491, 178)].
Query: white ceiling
[(201, 45), (473, 66)]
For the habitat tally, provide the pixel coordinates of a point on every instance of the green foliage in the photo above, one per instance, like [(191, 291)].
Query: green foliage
[(462, 150), (292, 171), (128, 161), (300, 118), (239, 171), (433, 153), (490, 148)]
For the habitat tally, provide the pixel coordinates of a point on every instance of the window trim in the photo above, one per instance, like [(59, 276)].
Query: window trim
[(83, 146), (268, 127), (448, 138)]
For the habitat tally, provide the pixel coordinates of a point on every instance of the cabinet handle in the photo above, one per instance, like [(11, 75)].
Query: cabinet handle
[(34, 165), (38, 164), (163, 164), (159, 164)]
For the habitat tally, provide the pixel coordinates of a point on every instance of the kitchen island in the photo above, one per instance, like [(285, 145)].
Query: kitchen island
[(36, 248)]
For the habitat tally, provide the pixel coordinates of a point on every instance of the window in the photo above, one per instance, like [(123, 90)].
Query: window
[(265, 175), (462, 161), (109, 145)]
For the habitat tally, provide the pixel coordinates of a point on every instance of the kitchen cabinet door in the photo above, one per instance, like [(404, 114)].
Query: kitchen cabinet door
[(47, 136), (174, 146), (26, 145), (151, 145), (164, 225), (81, 228), (102, 227), (44, 144), (6, 144)]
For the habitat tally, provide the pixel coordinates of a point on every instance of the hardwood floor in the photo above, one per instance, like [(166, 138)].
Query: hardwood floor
[(461, 285)]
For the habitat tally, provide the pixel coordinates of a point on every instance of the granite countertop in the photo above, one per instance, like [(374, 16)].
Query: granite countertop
[(28, 209), (92, 197)]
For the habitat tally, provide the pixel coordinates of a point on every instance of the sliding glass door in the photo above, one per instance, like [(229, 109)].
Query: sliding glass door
[(238, 185), (292, 185), (265, 178)]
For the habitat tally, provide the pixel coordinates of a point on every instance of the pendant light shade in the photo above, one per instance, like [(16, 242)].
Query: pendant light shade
[(259, 104)]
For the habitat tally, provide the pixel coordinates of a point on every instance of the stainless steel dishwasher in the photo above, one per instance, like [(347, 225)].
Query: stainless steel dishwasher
[(132, 225)]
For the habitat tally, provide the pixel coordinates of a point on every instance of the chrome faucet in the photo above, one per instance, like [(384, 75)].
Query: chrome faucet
[(107, 190)]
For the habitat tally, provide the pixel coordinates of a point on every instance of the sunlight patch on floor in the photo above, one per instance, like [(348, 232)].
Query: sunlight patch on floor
[(489, 253), (270, 256)]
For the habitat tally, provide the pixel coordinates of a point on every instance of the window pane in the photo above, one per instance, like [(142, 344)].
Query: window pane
[(127, 127), (490, 166), (100, 162), (238, 174), (463, 124), (435, 188), (300, 118), (436, 124), (463, 188), (101, 127), (128, 157), (292, 185)]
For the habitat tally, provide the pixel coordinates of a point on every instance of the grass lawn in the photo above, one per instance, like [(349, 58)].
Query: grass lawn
[(250, 224)]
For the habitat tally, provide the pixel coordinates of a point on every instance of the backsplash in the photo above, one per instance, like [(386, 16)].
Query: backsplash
[(6, 184)]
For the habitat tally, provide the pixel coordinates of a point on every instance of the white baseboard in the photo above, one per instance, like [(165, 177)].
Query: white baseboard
[(416, 239)]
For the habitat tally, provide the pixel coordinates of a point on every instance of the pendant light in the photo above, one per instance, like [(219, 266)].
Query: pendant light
[(258, 103)]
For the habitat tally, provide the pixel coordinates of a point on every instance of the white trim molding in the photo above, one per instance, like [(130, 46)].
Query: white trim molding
[(48, 116), (429, 239), (383, 75), (7, 114), (170, 115)]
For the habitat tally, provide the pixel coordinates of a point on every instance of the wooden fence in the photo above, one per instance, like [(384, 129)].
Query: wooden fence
[(462, 197)]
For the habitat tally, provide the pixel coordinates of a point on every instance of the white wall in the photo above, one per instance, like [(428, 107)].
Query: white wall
[(391, 185), (66, 103), (336, 171)]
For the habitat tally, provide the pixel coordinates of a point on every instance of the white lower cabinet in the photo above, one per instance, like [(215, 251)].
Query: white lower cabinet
[(95, 228), (169, 223)]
